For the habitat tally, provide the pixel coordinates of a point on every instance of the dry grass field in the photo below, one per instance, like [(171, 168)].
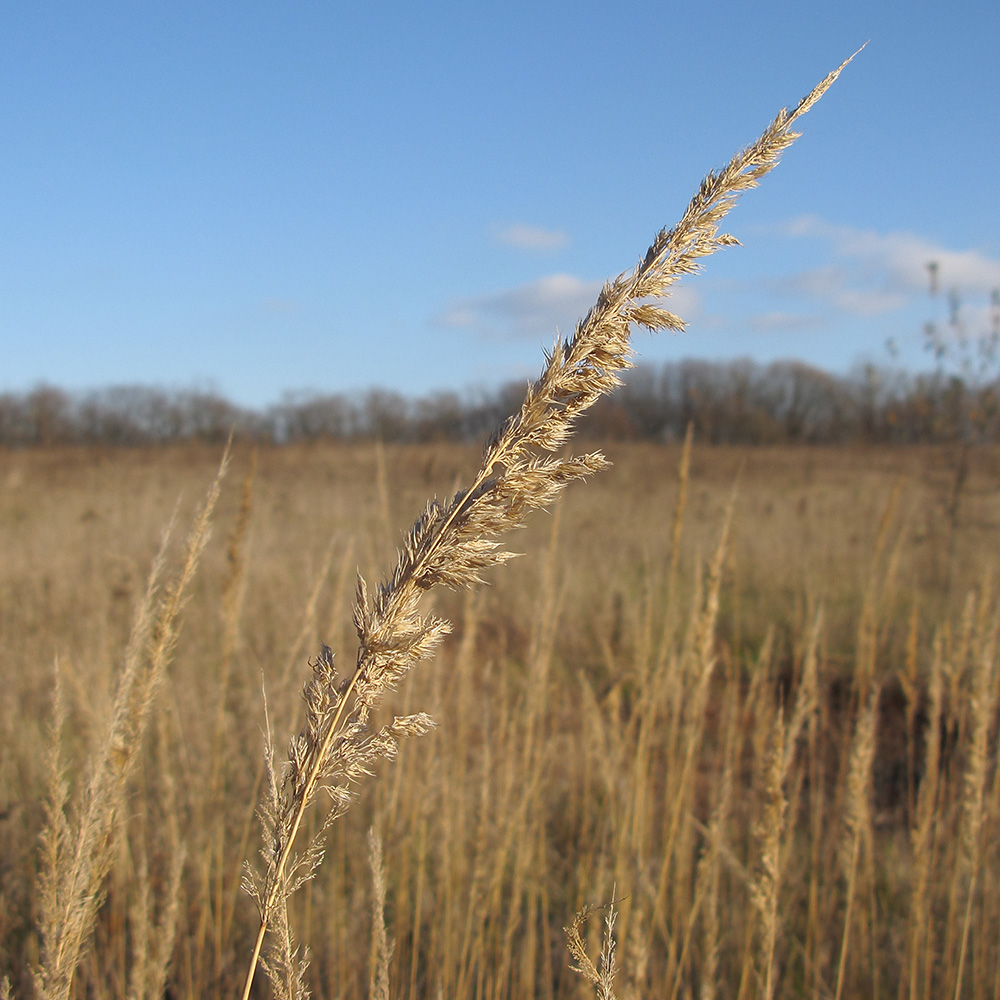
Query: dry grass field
[(770, 740), (743, 704)]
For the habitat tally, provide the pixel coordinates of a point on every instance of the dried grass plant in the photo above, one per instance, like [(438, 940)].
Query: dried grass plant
[(601, 975), (78, 850), (452, 543)]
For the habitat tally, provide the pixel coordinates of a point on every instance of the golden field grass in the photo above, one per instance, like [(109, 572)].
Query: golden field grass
[(755, 728), (777, 756)]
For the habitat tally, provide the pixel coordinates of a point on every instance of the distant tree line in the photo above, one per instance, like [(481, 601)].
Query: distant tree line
[(732, 402)]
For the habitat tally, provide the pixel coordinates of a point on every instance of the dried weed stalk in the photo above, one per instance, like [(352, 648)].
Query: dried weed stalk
[(382, 947), (452, 543), (77, 851), (602, 975)]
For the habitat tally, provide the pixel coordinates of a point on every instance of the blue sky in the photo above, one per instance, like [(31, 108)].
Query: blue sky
[(261, 197)]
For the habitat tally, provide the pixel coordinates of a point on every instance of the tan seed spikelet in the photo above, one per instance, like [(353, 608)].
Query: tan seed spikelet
[(601, 975), (769, 832), (858, 818), (382, 947), (807, 696), (983, 709), (710, 862), (451, 543), (922, 831), (78, 856), (858, 812)]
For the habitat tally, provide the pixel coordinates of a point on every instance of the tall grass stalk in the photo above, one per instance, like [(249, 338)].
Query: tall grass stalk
[(601, 975), (983, 701), (452, 543), (77, 853), (382, 947), (857, 821)]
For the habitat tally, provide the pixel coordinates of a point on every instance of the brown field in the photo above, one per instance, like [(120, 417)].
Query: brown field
[(781, 768)]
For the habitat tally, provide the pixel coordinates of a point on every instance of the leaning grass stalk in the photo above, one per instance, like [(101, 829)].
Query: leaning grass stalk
[(602, 974), (806, 719), (148, 970), (974, 781), (476, 911), (382, 948), (771, 829), (693, 722), (213, 865), (419, 892), (858, 819), (384, 503), (670, 617), (683, 474), (152, 939), (452, 543), (705, 896), (878, 584), (340, 587), (767, 884), (307, 628), (909, 681), (529, 760), (922, 832), (78, 859)]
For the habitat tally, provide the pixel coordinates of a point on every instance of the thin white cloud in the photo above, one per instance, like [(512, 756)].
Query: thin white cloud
[(846, 291), (523, 236), (899, 259), (540, 308), (869, 301), (537, 308)]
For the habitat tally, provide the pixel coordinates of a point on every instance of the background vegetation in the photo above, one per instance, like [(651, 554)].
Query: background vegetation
[(785, 757), (734, 402), (777, 752)]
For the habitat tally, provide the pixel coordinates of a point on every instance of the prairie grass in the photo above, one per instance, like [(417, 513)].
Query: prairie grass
[(452, 542), (565, 703), (732, 700)]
